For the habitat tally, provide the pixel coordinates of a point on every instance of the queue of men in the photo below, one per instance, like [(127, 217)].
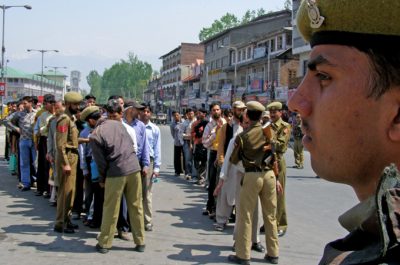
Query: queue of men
[(77, 155), (209, 156)]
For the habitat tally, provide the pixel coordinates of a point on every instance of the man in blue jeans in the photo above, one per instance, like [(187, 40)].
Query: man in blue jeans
[(22, 122)]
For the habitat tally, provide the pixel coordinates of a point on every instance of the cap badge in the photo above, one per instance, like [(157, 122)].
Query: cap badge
[(314, 15)]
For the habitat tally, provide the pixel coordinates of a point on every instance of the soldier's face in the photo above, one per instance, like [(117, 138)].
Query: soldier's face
[(275, 115), (346, 131), (73, 107)]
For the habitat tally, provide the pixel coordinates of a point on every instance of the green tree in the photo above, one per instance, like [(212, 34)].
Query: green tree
[(225, 22), (94, 81), (288, 5), (228, 21)]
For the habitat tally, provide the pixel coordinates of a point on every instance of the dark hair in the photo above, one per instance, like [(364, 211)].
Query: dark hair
[(213, 104), (173, 113), (227, 112), (35, 100), (49, 98), (254, 115), (82, 106), (94, 115), (385, 65), (113, 106), (27, 98), (115, 97), (146, 106), (188, 110), (89, 96), (203, 110)]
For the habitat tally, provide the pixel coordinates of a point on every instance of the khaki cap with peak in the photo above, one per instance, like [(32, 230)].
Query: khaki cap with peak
[(276, 105), (358, 23), (87, 111), (73, 97), (238, 104), (255, 105)]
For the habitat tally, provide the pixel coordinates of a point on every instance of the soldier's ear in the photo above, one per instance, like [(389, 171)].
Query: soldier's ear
[(394, 132)]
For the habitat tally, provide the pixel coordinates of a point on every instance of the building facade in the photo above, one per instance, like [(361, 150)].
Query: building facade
[(245, 62), (176, 66), (20, 84)]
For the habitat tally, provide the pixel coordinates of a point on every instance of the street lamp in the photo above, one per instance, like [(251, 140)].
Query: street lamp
[(55, 73), (41, 78), (3, 48)]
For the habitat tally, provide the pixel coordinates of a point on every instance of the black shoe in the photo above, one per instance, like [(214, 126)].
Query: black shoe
[(262, 229), (46, 195), (65, 230), (139, 248), (53, 204), (258, 247), (237, 260), (25, 189), (281, 232), (272, 260), (101, 249), (72, 226), (206, 212)]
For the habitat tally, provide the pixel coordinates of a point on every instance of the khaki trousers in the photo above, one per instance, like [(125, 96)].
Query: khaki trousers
[(281, 217), (298, 152), (66, 191), (262, 185), (255, 231), (131, 187), (147, 193)]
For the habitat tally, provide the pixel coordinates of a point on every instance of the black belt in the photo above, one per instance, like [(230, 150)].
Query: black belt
[(255, 169)]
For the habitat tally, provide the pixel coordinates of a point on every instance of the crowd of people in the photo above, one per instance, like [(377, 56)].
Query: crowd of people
[(80, 156), (206, 153)]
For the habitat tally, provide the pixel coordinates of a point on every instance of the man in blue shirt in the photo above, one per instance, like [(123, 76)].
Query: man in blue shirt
[(154, 141), (131, 114)]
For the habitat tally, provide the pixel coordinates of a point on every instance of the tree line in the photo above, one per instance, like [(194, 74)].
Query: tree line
[(127, 78)]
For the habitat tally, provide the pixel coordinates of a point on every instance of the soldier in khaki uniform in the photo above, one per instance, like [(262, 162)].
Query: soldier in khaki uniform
[(281, 140), (349, 101), (66, 162), (298, 145), (259, 181)]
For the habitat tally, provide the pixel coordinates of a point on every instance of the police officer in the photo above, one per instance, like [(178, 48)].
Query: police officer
[(259, 181), (298, 145), (66, 162), (282, 135), (349, 101)]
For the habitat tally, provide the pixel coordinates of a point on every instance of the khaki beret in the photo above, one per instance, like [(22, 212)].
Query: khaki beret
[(87, 111), (274, 106), (359, 23), (73, 97), (238, 104), (255, 105), (266, 114)]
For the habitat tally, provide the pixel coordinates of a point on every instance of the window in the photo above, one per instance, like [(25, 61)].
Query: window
[(209, 49), (239, 56), (218, 63), (215, 46), (225, 61), (248, 52), (233, 57), (219, 43), (226, 40), (280, 42), (272, 44), (212, 65), (243, 54)]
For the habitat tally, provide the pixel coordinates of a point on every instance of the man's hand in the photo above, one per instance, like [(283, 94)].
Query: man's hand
[(144, 171), (18, 130), (218, 188), (267, 147), (279, 188), (67, 170), (49, 158)]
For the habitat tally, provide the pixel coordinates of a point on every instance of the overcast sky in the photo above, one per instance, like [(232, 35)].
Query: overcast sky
[(94, 34)]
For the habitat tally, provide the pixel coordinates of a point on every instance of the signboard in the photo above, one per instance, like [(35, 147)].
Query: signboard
[(2, 89), (259, 52)]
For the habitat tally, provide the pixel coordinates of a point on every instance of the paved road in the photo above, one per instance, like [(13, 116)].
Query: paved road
[(181, 234)]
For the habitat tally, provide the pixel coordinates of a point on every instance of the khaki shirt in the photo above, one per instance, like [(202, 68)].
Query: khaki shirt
[(66, 136), (249, 147), (282, 135)]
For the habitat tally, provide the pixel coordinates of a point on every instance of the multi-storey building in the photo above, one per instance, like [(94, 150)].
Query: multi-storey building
[(176, 67), (247, 59), (20, 84), (300, 47), (152, 94)]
